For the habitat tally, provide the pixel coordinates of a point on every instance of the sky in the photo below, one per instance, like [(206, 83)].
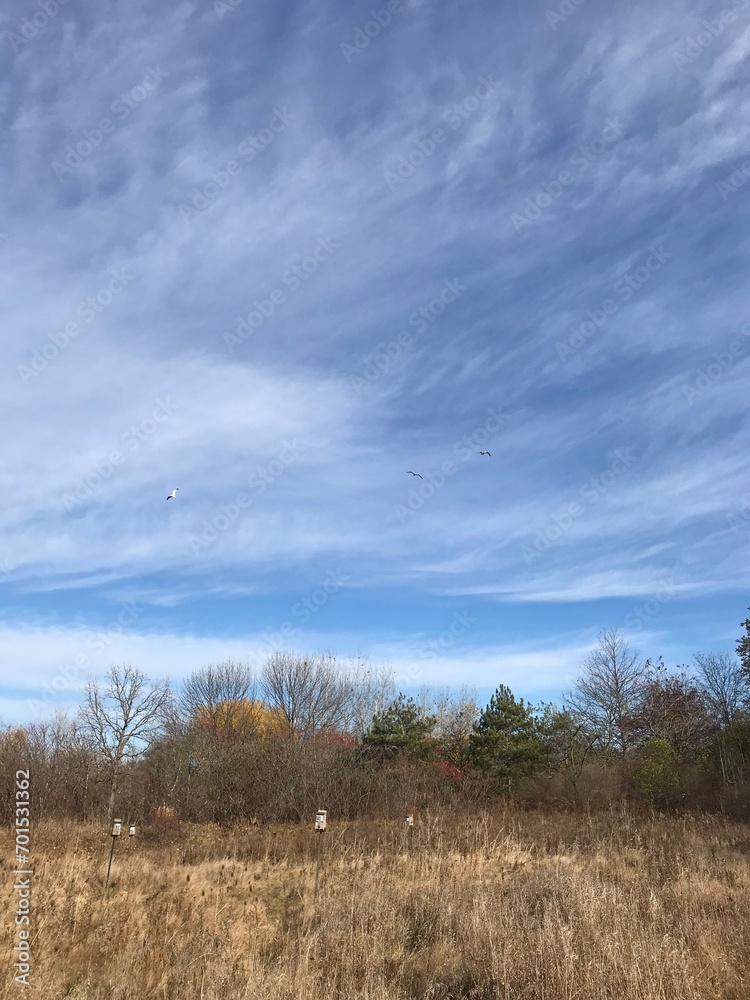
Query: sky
[(278, 255)]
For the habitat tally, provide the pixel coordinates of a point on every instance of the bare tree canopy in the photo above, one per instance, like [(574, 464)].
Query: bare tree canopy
[(311, 692), (455, 712), (217, 693), (371, 688), (607, 695), (674, 710), (122, 718), (724, 684)]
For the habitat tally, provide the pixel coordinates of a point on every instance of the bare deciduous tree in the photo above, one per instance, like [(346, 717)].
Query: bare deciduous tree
[(311, 692), (723, 683), (218, 694), (62, 762), (567, 743), (674, 709), (370, 689), (456, 713), (607, 695), (122, 718)]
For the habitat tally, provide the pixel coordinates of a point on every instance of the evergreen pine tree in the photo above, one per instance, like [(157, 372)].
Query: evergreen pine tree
[(506, 742), (403, 726)]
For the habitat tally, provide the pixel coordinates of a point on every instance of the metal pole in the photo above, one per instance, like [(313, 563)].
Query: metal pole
[(109, 866)]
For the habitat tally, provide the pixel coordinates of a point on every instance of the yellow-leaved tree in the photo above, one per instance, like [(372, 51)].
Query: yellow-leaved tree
[(242, 717)]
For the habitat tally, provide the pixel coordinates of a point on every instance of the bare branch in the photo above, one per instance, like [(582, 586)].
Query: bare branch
[(723, 683), (606, 697), (123, 718)]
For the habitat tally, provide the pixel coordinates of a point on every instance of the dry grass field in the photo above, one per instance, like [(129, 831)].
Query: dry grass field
[(510, 905)]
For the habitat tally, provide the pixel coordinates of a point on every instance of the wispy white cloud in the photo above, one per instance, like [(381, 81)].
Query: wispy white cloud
[(54, 663), (323, 176)]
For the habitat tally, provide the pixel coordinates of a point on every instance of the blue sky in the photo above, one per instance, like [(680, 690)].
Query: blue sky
[(278, 254)]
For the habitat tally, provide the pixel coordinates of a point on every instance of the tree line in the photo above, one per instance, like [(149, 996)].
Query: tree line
[(311, 732)]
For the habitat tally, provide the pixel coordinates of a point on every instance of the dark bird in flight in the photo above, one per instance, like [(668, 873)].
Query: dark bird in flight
[(172, 495), (415, 474), (486, 453)]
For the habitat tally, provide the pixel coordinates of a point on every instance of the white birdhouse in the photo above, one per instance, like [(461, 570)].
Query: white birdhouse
[(131, 831), (409, 821), (321, 817), (116, 827)]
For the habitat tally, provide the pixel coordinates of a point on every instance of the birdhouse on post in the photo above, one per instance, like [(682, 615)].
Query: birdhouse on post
[(409, 821), (116, 827), (131, 831), (321, 818)]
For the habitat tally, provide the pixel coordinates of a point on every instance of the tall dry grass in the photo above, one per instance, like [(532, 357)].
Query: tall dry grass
[(512, 905)]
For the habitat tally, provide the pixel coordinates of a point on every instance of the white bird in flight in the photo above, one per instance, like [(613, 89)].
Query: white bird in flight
[(172, 495)]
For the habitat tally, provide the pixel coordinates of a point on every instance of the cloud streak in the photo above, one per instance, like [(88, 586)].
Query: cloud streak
[(275, 238)]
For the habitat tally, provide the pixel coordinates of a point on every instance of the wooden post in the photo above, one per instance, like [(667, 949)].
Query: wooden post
[(321, 818), (116, 827), (317, 864), (409, 831)]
